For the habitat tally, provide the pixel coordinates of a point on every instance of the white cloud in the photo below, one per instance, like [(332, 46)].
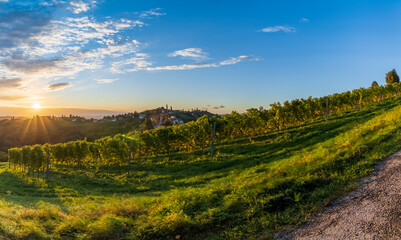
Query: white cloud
[(286, 29), (72, 33), (140, 63), (183, 67), (192, 53), (81, 6), (305, 20), (37, 49), (230, 61), (66, 47), (63, 65), (150, 13), (107, 80), (235, 60)]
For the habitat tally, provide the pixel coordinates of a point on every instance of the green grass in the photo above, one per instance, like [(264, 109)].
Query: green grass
[(252, 189)]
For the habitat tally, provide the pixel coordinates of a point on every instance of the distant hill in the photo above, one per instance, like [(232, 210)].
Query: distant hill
[(6, 112), (166, 117)]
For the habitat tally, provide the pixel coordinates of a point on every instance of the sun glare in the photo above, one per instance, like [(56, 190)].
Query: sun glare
[(36, 106)]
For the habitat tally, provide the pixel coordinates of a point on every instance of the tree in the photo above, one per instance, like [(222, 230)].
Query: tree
[(392, 77), (375, 84)]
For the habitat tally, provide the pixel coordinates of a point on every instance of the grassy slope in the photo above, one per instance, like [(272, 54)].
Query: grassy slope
[(249, 191)]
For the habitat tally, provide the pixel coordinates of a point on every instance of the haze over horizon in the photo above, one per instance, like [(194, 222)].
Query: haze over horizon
[(58, 112), (123, 56)]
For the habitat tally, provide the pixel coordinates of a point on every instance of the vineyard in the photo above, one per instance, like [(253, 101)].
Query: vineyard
[(197, 135), (250, 189), (271, 170)]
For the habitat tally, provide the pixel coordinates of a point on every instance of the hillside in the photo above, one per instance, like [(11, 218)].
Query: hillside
[(252, 188), (49, 129)]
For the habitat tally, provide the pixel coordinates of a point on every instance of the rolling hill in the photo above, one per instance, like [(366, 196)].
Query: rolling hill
[(252, 188)]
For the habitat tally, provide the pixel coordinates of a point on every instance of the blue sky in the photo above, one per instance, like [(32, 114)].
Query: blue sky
[(215, 55)]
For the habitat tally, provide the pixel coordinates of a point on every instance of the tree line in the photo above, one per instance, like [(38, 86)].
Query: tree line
[(196, 135)]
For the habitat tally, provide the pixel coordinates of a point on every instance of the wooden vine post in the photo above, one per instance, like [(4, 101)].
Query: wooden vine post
[(213, 139)]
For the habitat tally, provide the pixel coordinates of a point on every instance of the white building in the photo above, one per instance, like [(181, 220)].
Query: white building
[(175, 120)]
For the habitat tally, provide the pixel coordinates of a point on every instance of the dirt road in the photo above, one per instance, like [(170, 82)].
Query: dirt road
[(373, 211)]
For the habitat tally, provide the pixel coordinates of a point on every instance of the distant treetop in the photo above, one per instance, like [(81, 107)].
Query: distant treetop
[(375, 84), (392, 77)]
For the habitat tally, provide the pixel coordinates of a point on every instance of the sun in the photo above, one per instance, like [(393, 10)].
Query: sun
[(36, 106)]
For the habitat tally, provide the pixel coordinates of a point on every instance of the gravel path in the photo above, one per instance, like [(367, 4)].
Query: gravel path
[(373, 211)]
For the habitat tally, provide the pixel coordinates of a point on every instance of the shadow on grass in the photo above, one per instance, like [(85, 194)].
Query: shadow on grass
[(163, 177), (16, 190), (86, 185)]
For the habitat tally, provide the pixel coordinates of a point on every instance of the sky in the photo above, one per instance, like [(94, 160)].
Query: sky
[(220, 56)]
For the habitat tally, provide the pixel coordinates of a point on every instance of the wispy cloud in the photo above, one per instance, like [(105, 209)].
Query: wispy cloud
[(36, 49), (12, 97), (218, 107), (285, 29), (140, 63), (10, 83), (230, 61), (305, 20), (72, 33), (150, 13), (136, 63), (58, 86), (68, 64), (191, 53), (81, 6), (11, 89), (106, 80), (19, 25), (39, 47)]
